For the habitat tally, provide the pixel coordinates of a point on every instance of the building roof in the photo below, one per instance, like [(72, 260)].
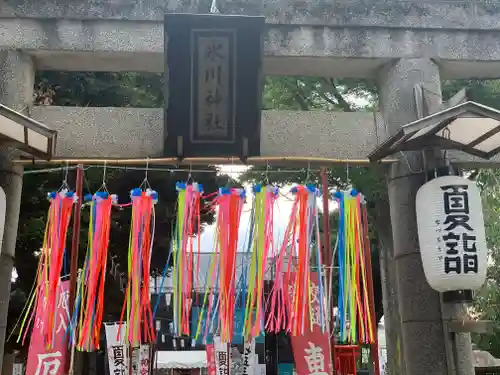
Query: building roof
[(181, 359)]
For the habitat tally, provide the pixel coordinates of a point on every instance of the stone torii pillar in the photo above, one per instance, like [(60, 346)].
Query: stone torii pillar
[(17, 80), (418, 341)]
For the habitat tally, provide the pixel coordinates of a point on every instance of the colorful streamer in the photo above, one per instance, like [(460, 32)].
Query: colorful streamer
[(230, 204), (291, 304), (304, 245), (355, 318), (50, 265), (220, 297), (260, 247), (137, 305), (91, 294), (185, 240)]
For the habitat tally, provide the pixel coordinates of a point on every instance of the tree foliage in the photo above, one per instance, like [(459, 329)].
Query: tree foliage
[(99, 89), (487, 299)]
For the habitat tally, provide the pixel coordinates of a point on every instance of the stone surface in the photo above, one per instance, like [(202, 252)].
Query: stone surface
[(402, 190), (413, 13), (462, 341), (138, 133), (417, 301), (17, 80), (423, 348), (88, 132), (347, 51)]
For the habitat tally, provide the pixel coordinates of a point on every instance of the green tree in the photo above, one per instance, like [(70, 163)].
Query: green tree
[(99, 89), (487, 299)]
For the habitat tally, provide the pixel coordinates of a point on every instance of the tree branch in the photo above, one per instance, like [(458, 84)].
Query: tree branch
[(299, 97), (473, 175), (337, 95)]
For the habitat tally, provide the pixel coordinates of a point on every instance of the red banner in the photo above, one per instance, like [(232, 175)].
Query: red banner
[(311, 351), (211, 359), (43, 360)]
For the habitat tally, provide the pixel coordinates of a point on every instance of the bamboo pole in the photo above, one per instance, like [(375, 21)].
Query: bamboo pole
[(259, 160)]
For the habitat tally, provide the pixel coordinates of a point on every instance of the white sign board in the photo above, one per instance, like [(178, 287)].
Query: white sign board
[(144, 360), (18, 369), (249, 358), (117, 350), (222, 362)]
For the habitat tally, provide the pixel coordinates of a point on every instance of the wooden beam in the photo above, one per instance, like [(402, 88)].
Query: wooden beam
[(465, 326)]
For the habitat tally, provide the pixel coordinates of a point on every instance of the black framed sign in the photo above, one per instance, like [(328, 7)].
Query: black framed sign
[(214, 85)]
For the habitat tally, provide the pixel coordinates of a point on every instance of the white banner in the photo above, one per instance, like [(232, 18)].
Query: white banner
[(260, 369), (249, 358), (235, 361), (134, 354), (222, 364), (144, 360), (117, 351), (18, 369)]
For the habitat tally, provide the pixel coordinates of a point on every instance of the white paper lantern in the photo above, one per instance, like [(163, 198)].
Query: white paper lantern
[(451, 234)]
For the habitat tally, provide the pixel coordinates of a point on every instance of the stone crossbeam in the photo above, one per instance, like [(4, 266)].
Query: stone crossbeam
[(103, 132), (97, 132), (442, 14), (124, 45), (348, 38)]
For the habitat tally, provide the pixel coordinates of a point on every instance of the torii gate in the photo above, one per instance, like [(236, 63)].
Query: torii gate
[(400, 45)]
